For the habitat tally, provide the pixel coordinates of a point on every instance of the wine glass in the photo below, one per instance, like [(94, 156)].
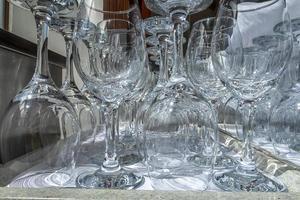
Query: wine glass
[(285, 118), (118, 69), (80, 103), (174, 124), (204, 78), (174, 119), (293, 71), (94, 11), (88, 30), (246, 70), (40, 120)]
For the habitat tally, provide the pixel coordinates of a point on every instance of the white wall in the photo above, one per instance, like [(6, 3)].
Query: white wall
[(22, 23)]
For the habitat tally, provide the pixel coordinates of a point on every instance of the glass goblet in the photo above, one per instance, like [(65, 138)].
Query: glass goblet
[(80, 103), (174, 119), (246, 71), (203, 76), (118, 69), (40, 120), (285, 118)]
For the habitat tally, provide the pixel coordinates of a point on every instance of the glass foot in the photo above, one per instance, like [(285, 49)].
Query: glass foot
[(237, 181), (113, 180), (221, 162), (295, 147), (130, 159), (42, 179), (179, 184)]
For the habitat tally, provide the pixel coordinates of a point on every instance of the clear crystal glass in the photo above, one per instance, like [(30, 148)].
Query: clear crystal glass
[(249, 72), (285, 118), (174, 119), (40, 120), (80, 103), (119, 67), (202, 75)]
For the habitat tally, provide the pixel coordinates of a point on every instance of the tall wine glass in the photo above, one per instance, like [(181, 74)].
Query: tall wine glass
[(174, 120), (88, 30), (40, 120), (293, 70), (285, 118), (128, 11), (203, 76), (247, 71), (80, 103), (118, 69)]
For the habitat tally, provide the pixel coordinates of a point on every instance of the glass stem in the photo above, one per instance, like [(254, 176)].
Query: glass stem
[(69, 62), (214, 144), (42, 20), (92, 58), (111, 163), (178, 71), (163, 70), (247, 162)]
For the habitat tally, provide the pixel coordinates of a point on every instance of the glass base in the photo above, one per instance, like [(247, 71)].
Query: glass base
[(112, 180), (241, 181), (262, 140), (128, 150), (295, 147), (42, 179), (180, 184), (221, 161), (130, 159)]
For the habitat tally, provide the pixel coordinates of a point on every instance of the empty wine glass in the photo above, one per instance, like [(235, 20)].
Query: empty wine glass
[(203, 76), (174, 119), (249, 72), (293, 70), (118, 69), (95, 11), (285, 118), (88, 29), (80, 103), (40, 120)]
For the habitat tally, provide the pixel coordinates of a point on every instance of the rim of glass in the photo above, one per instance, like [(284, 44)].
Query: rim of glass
[(247, 10), (99, 28), (112, 12), (150, 19), (216, 19)]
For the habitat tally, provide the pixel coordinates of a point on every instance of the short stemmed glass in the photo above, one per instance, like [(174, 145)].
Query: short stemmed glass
[(40, 120), (80, 103), (247, 72), (202, 75), (118, 69)]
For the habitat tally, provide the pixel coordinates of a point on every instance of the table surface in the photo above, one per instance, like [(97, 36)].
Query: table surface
[(55, 193)]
